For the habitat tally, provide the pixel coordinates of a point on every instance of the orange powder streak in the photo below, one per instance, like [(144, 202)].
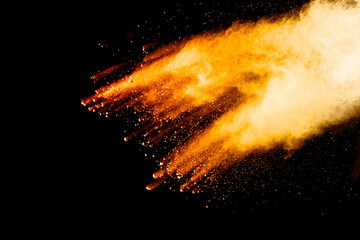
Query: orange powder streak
[(222, 95)]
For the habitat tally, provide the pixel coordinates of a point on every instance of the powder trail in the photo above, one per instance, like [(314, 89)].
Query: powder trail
[(223, 94)]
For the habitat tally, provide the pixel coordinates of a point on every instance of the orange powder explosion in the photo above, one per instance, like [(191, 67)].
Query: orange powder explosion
[(254, 86)]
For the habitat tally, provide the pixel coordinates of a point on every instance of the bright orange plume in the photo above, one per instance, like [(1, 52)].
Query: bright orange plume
[(253, 86)]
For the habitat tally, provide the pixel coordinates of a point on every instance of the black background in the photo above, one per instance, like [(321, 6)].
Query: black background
[(109, 176)]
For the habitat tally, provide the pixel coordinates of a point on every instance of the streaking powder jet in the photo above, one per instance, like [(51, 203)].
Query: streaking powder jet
[(221, 95)]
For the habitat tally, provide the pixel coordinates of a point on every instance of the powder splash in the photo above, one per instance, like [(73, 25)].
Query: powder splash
[(222, 95)]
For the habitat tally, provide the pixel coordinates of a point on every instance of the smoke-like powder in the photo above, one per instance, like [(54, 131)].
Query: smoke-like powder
[(254, 86)]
